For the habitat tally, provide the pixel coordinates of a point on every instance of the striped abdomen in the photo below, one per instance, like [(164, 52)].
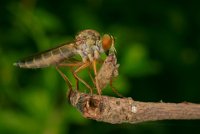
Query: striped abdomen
[(49, 57)]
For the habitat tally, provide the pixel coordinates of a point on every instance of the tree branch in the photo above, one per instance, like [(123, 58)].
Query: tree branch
[(126, 110)]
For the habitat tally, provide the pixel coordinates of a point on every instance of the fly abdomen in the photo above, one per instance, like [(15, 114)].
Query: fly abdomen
[(48, 58), (40, 61)]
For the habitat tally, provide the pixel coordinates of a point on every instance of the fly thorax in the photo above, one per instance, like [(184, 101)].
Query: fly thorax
[(90, 42), (88, 36), (99, 46), (88, 45)]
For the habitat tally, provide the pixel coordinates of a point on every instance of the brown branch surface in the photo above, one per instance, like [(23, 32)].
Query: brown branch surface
[(126, 110)]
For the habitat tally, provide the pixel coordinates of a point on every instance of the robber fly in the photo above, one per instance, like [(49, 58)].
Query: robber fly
[(88, 44)]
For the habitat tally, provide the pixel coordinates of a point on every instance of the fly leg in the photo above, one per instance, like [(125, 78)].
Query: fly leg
[(73, 65), (81, 66), (79, 79), (96, 81), (65, 78), (93, 81), (70, 64), (114, 90)]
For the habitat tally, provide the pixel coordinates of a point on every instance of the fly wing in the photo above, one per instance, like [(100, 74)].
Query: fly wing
[(48, 58)]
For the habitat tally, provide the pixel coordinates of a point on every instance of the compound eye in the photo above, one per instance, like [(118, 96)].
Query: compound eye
[(107, 42)]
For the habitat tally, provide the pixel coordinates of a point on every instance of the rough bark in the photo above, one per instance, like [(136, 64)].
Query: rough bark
[(126, 110)]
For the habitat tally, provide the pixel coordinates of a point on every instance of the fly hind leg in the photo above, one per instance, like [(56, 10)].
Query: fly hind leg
[(114, 90), (79, 79), (65, 78)]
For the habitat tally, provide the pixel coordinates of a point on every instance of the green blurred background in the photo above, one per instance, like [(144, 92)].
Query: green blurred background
[(158, 44)]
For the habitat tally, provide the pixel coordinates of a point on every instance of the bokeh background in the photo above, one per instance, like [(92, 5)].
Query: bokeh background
[(157, 42)]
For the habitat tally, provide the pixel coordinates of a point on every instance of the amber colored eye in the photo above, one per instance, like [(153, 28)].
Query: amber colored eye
[(107, 42)]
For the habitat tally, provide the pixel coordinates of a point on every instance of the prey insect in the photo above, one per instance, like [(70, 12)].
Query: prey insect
[(107, 72), (88, 44)]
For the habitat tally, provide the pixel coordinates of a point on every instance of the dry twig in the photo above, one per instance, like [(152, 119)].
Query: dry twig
[(126, 110)]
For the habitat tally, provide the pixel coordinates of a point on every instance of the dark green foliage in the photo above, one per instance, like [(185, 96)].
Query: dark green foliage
[(157, 42)]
